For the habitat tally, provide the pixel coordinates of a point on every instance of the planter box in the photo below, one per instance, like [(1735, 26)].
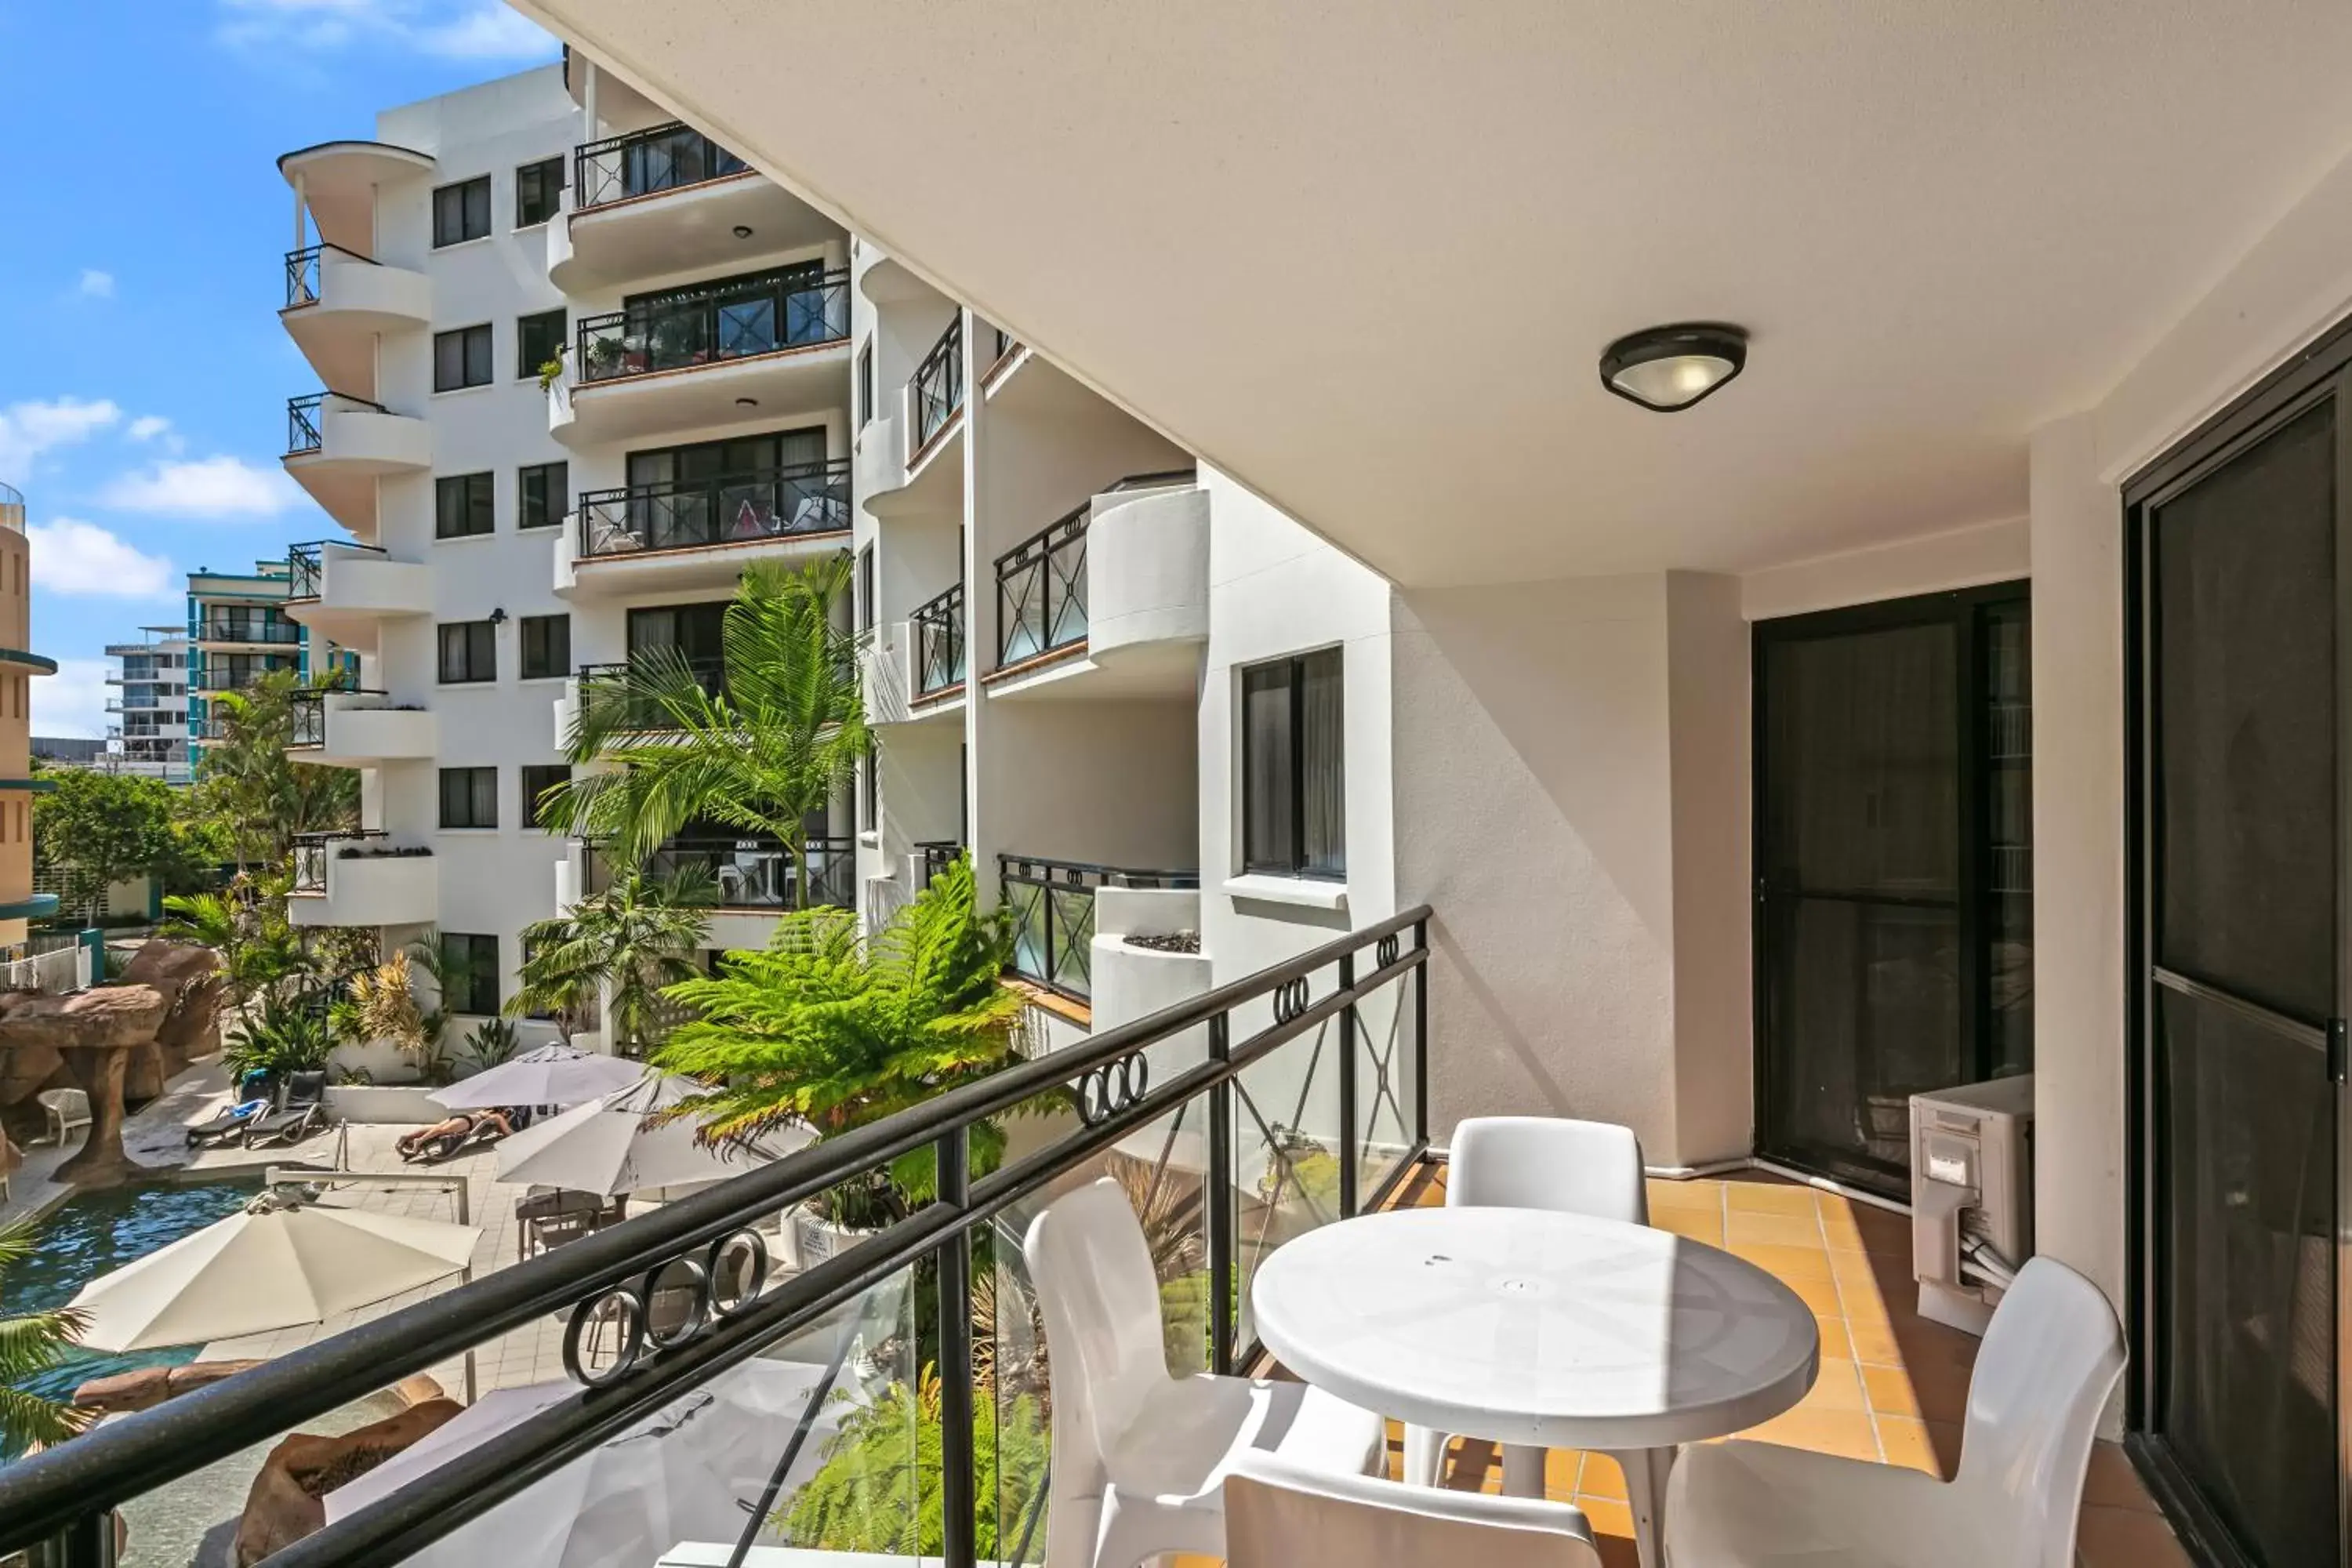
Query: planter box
[(385, 1105), (810, 1240)]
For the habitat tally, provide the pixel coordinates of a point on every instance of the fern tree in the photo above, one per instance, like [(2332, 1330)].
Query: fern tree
[(828, 1030), (636, 938), (30, 1344), (775, 746)]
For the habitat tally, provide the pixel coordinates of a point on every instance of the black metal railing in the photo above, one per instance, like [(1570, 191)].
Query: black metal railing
[(307, 711), (302, 272), (1053, 908), (937, 627), (644, 162), (1237, 1120), (1040, 589), (221, 674), (312, 851), (938, 854), (306, 564), (739, 509), (305, 418), (750, 871), (604, 683), (270, 630), (1005, 342), (935, 389), (712, 326)]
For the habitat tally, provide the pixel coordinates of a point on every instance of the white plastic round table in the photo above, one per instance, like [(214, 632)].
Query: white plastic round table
[(1525, 1326)]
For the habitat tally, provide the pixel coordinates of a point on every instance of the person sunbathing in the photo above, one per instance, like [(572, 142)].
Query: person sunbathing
[(464, 1124)]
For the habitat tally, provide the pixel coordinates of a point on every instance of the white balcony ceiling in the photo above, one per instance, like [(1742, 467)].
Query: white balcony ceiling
[(1365, 257)]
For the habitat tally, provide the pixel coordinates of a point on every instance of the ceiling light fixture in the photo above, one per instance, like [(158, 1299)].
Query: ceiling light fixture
[(1669, 369), (742, 231), (747, 402)]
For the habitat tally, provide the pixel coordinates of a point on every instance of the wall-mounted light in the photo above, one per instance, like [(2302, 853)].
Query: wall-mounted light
[(1668, 369), (499, 617)]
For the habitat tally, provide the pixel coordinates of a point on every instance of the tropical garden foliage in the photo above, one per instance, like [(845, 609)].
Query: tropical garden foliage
[(261, 798), (31, 1344), (775, 744), (641, 935), (91, 830)]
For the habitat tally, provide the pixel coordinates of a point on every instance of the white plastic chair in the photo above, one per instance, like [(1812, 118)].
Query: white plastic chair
[(67, 1109), (1278, 1516), (2049, 1361), (1140, 1457), (1533, 1162)]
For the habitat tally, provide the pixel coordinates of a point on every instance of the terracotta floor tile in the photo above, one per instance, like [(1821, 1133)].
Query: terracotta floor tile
[(1609, 1516), (1836, 1345), (1684, 1196), (1890, 1392), (1766, 1197), (1746, 1227), (1847, 1433), (1786, 1263), (1821, 1295), (1602, 1478), (1838, 1387), (2113, 1483), (1883, 1231), (1855, 1274), (2126, 1538), (1698, 1224), (1838, 1225), (1561, 1468), (1907, 1444)]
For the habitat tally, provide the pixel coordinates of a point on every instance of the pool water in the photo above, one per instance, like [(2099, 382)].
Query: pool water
[(94, 1233)]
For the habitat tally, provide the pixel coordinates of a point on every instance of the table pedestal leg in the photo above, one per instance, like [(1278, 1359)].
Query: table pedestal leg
[(1645, 1491), (1424, 1457), (1523, 1471)]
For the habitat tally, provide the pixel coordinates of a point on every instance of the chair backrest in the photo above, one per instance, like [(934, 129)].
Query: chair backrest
[(2049, 1361), (69, 1104), (306, 1088), (1547, 1163), (1278, 1516)]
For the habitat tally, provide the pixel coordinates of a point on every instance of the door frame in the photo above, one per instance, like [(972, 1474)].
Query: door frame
[(1960, 606), (2320, 372)]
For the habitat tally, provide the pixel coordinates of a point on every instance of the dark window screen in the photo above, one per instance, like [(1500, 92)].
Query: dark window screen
[(462, 211), (469, 797), (1294, 780), (2245, 654)]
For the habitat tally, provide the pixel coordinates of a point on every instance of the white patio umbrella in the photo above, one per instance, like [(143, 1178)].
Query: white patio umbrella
[(690, 1472), (278, 1264), (552, 1074), (617, 1145)]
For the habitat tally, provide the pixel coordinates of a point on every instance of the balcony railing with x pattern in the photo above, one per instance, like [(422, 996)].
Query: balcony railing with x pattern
[(750, 871), (643, 163), (307, 711), (312, 851), (1053, 908), (938, 642), (739, 509), (935, 389), (306, 418), (1241, 1118), (1041, 590), (305, 565), (303, 272), (793, 309)]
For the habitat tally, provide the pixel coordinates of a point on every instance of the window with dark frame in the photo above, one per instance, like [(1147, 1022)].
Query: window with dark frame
[(865, 384), (461, 212), (470, 652), (470, 973), (464, 506), (866, 589), (546, 647), (469, 797), (537, 778), (542, 494), (538, 339), (462, 358), (1294, 780), (870, 790), (539, 192)]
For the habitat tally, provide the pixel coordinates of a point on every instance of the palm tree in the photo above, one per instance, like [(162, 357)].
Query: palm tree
[(249, 783), (778, 744), (638, 936), (827, 1030), (31, 1344)]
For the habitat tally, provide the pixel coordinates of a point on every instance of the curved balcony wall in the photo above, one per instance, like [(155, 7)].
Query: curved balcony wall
[(336, 303), (338, 445), (363, 885)]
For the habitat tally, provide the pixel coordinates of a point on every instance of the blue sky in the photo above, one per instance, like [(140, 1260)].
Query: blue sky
[(143, 375)]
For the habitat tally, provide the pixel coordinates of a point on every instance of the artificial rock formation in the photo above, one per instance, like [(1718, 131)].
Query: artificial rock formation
[(166, 1003), (288, 1499), (152, 1385)]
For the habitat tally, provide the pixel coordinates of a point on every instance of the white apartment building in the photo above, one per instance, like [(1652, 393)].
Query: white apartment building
[(147, 723), (578, 368)]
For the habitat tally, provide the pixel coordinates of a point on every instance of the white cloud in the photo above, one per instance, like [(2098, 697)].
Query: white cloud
[(30, 429), (82, 560), (452, 29), (73, 701), (205, 486), (147, 426), (96, 285)]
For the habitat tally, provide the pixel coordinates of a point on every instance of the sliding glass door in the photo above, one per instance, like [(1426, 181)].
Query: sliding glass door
[(2239, 630)]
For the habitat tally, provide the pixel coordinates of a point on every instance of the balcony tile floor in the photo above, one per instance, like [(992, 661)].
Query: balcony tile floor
[(1893, 1386)]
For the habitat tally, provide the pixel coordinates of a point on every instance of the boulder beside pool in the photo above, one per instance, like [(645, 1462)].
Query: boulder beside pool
[(151, 1386), (285, 1504)]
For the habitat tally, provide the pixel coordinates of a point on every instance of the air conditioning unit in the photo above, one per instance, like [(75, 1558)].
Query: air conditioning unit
[(1971, 1197)]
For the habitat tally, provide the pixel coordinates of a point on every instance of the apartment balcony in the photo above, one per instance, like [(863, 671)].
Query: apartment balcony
[(884, 280), (693, 360), (593, 681), (231, 631), (337, 302), (235, 674), (362, 878), (336, 186), (754, 876), (702, 534), (348, 727), (1110, 600), (666, 200), (337, 446), (1053, 906), (347, 591), (915, 669)]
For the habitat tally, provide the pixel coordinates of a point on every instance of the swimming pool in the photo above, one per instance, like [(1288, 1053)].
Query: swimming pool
[(94, 1232)]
